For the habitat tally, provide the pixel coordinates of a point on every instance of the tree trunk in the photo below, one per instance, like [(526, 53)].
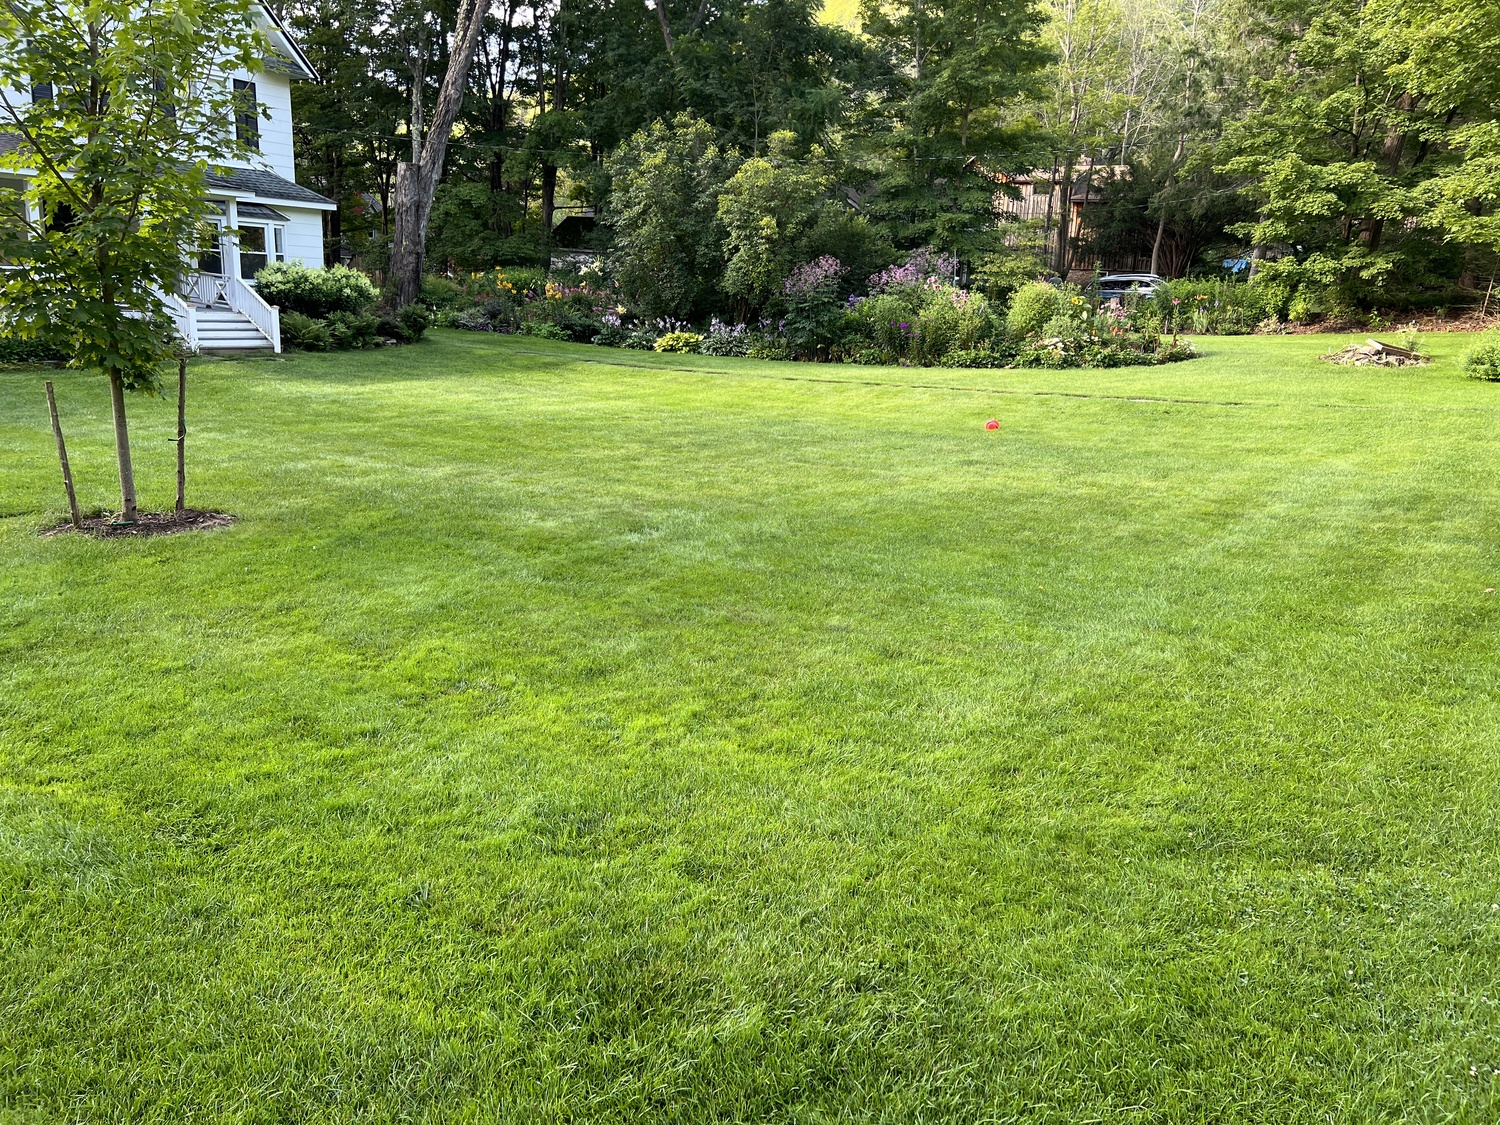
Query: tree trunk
[(1257, 255), (408, 246), (666, 28), (1156, 243), (418, 80), (1166, 194), (122, 448), (417, 182), (1062, 260), (549, 208)]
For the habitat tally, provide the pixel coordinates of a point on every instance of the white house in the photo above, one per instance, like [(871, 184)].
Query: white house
[(261, 213), (276, 219)]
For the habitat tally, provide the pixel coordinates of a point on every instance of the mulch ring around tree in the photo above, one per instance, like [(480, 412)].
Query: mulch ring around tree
[(148, 523)]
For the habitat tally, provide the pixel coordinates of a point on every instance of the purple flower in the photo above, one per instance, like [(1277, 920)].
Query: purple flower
[(922, 266), (809, 278)]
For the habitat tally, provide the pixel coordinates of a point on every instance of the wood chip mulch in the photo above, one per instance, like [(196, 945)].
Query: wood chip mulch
[(148, 523)]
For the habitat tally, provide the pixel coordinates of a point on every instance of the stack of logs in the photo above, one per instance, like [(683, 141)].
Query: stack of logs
[(1373, 353)]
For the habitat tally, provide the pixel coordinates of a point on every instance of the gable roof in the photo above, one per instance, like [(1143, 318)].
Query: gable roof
[(293, 61)]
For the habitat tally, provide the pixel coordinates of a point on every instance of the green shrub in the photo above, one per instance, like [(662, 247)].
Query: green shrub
[(1214, 305), (612, 336), (352, 330), (304, 332), (413, 322), (975, 357), (471, 320), (1483, 360), (769, 347), (1033, 305), (948, 319), (680, 342), (525, 279), (725, 339), (13, 349), (441, 293), (576, 320), (884, 324), (503, 313), (542, 330), (315, 292), (641, 340)]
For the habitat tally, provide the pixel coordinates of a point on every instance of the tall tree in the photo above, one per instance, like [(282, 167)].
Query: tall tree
[(119, 107), (347, 126), (1369, 122), (946, 117), (664, 208), (417, 180)]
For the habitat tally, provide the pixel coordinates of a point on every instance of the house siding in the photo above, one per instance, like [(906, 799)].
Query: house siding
[(274, 92), (304, 235)]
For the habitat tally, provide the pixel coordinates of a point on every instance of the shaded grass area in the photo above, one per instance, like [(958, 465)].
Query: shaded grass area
[(578, 735)]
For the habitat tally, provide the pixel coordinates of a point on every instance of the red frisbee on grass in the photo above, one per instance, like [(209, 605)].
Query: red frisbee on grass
[(992, 424)]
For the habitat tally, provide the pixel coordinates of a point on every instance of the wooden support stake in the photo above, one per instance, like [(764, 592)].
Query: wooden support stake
[(62, 455), (181, 433)]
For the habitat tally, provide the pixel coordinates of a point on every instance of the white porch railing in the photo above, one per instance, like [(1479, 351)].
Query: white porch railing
[(184, 317), (247, 302), (207, 291)]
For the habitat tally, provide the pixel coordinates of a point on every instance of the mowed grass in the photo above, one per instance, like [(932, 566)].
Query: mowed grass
[(571, 735)]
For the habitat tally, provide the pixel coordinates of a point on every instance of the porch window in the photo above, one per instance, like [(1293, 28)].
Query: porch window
[(253, 256), (211, 255)]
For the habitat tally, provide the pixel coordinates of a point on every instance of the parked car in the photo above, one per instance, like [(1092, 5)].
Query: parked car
[(1129, 284)]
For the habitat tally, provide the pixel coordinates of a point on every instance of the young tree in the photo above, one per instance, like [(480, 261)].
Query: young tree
[(768, 209), (664, 208), (117, 108)]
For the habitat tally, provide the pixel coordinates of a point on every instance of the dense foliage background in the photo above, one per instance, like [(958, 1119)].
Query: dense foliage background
[(1349, 150)]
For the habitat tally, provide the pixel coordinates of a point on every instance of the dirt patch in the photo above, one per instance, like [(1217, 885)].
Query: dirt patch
[(1465, 320), (148, 523)]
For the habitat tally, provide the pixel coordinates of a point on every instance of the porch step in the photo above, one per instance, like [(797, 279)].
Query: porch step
[(224, 330)]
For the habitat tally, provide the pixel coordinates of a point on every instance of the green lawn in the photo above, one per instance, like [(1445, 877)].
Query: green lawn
[(580, 735)]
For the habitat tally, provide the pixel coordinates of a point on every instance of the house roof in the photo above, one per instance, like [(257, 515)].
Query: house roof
[(252, 184), (263, 185), (294, 61)]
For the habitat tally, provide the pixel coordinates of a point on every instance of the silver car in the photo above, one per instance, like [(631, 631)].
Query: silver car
[(1129, 284)]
